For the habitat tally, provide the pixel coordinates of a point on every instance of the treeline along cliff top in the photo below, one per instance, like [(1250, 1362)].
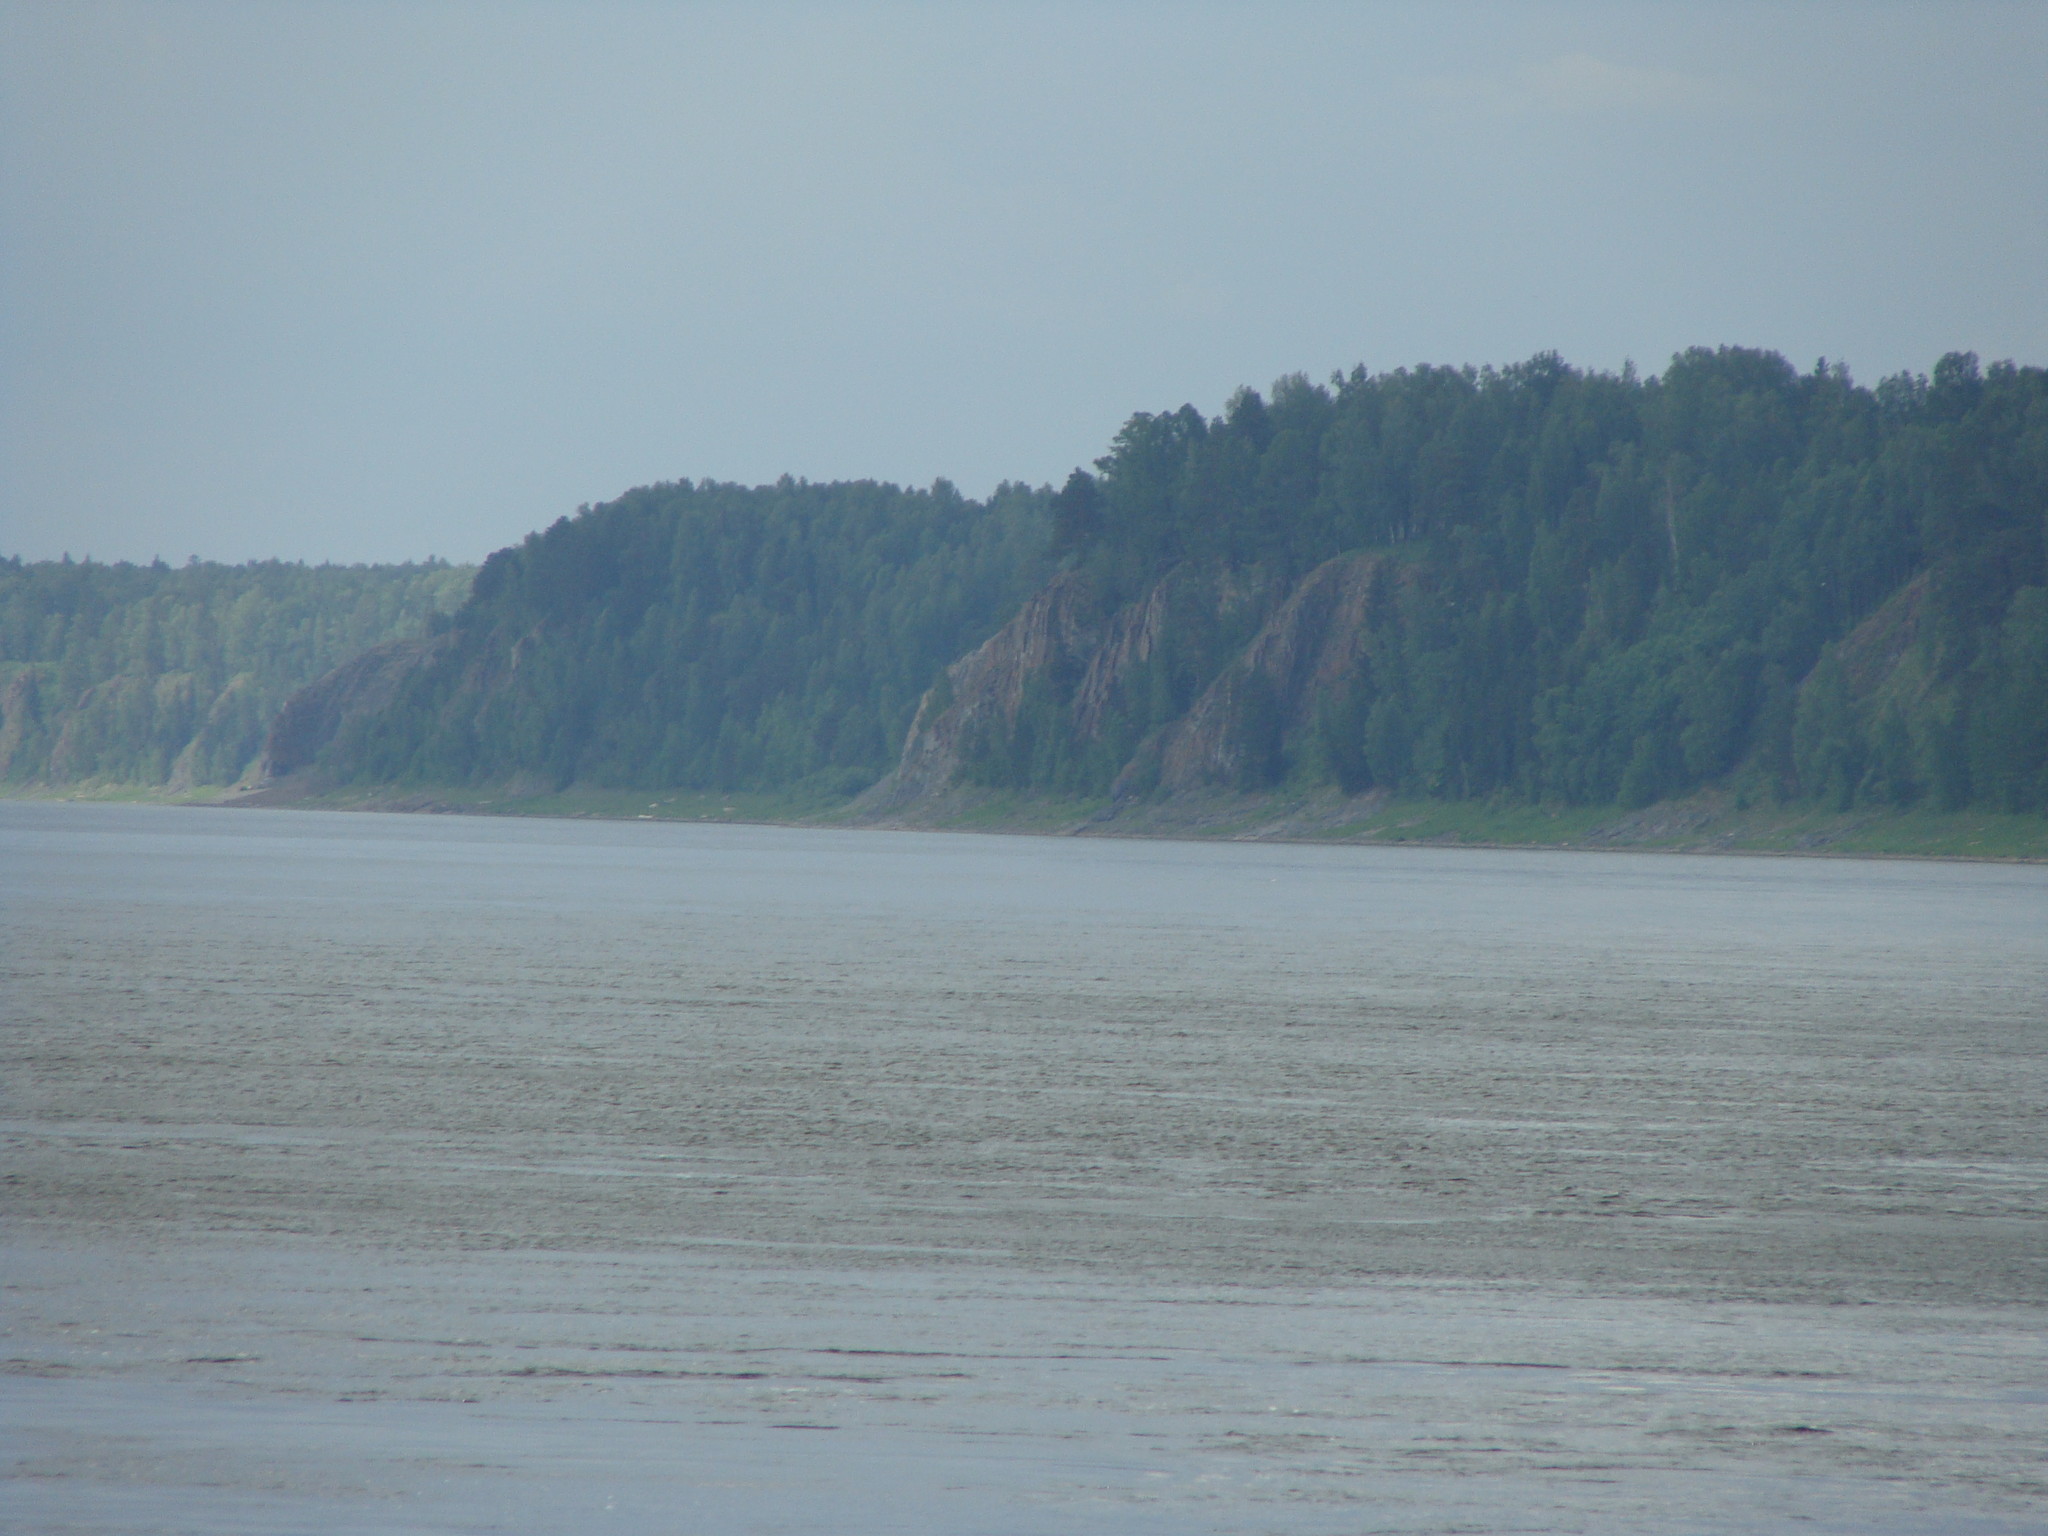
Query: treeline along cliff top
[(1528, 584), (1546, 584)]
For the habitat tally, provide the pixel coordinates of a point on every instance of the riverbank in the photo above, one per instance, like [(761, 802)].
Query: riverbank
[(1706, 823)]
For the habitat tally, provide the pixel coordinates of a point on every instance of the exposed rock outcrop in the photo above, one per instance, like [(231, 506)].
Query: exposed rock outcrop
[(312, 717), (1064, 642), (1307, 648), (1056, 628)]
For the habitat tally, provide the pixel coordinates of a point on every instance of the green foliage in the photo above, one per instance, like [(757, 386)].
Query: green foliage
[(154, 675), (1586, 589), (706, 636), (1600, 588)]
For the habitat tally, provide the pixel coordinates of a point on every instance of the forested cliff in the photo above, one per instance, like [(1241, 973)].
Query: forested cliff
[(170, 675), (699, 635), (1531, 584), (1544, 584)]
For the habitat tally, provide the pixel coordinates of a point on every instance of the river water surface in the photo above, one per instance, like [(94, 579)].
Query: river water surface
[(442, 1174)]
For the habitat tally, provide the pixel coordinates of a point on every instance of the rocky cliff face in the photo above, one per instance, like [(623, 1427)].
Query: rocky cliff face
[(312, 717), (1056, 630), (1303, 644), (1270, 691)]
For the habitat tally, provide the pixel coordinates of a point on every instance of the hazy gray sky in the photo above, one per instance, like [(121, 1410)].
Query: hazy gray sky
[(365, 281)]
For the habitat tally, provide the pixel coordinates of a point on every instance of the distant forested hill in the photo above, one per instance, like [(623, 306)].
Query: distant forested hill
[(153, 675), (701, 636), (1541, 584), (1528, 584)]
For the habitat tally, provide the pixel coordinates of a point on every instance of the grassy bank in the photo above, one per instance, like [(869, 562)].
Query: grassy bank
[(1707, 826), (1706, 823)]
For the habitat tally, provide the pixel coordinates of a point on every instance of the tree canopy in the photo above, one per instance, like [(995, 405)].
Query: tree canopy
[(1586, 587), (709, 636), (1600, 587), (146, 674)]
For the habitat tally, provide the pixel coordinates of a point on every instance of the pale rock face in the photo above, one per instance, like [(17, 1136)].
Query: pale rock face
[(1308, 645), (1307, 648), (1054, 628)]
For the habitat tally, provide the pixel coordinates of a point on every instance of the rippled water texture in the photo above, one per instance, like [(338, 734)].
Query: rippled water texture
[(440, 1174)]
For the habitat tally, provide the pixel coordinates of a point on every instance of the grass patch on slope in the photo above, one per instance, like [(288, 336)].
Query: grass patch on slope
[(1476, 821)]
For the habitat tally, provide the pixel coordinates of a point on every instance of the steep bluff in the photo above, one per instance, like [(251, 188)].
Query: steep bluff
[(984, 689), (1242, 724), (1128, 684), (1549, 586), (1214, 681), (688, 635), (1530, 585), (357, 689)]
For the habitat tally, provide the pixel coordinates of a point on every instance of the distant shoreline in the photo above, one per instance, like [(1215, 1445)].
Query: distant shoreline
[(1709, 823)]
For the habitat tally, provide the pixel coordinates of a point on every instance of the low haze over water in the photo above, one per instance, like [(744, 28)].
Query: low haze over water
[(443, 1174)]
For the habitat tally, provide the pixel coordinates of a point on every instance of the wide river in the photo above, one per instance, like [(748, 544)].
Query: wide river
[(440, 1174)]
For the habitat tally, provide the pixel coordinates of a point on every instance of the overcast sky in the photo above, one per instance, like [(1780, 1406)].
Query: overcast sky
[(372, 281)]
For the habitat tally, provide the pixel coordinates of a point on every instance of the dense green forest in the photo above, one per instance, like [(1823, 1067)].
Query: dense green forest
[(1585, 587), (706, 636), (1532, 584), (154, 674)]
